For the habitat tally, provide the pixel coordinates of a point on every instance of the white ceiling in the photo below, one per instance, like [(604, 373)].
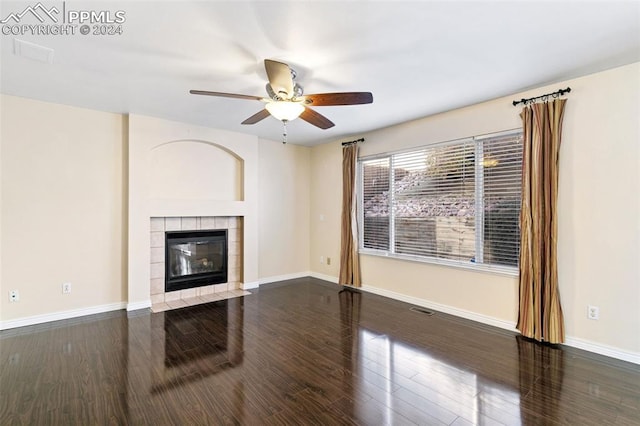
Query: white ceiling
[(417, 58)]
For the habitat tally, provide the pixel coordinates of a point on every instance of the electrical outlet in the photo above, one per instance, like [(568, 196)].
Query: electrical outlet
[(328, 261), (14, 296), (321, 260), (593, 312), (66, 288)]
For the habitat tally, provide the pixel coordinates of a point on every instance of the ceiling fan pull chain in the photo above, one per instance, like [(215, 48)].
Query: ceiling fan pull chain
[(284, 131)]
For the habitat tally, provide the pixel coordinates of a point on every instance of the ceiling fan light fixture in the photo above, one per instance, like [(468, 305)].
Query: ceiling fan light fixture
[(285, 110)]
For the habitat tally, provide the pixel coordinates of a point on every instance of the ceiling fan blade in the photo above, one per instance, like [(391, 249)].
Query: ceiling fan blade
[(257, 117), (225, 95), (347, 98), (318, 120), (279, 77)]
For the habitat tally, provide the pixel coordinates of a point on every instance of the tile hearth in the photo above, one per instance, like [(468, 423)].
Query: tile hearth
[(191, 301)]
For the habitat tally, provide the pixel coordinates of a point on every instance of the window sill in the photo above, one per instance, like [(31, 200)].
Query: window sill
[(498, 270)]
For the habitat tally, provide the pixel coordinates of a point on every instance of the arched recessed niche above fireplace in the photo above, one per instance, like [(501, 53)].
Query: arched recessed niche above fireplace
[(195, 170)]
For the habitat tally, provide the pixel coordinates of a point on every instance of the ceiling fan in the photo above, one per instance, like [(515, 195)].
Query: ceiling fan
[(286, 101)]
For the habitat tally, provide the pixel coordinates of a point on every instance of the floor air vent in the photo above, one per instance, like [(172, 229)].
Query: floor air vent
[(421, 310)]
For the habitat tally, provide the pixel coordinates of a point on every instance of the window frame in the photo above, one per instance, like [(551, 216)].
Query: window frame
[(479, 201)]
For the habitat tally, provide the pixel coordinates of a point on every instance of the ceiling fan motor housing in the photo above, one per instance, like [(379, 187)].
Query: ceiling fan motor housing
[(282, 95)]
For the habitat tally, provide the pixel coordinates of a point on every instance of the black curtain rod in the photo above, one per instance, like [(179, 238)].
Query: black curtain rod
[(553, 95), (352, 142)]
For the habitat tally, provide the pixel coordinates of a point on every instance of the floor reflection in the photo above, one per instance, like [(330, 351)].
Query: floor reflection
[(541, 373), (195, 342), (184, 365), (350, 301)]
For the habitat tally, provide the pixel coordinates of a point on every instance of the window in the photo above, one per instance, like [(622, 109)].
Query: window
[(455, 202)]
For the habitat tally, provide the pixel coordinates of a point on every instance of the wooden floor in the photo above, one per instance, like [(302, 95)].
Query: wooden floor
[(302, 352)]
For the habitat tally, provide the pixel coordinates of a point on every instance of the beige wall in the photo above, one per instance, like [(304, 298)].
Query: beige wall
[(599, 212), (326, 199), (283, 203), (61, 207)]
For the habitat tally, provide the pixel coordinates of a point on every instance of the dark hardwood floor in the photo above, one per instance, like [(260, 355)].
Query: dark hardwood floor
[(302, 352)]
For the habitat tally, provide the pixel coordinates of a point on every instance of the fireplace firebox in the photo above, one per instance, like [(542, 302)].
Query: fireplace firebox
[(195, 258)]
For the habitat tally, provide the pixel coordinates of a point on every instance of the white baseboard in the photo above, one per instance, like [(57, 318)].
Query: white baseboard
[(324, 277), (484, 319), (277, 278), (134, 306), (601, 349), (569, 341), (57, 316), (249, 285), (426, 304)]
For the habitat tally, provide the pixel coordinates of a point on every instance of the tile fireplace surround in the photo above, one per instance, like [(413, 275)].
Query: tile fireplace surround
[(159, 225)]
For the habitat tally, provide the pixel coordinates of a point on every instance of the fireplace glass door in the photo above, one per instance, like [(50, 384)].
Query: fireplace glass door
[(195, 258)]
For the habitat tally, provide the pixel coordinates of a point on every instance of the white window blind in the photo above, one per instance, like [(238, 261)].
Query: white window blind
[(458, 201), (501, 194), (375, 188)]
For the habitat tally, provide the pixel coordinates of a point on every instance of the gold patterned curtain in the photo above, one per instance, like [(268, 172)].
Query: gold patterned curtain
[(349, 264), (540, 314)]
